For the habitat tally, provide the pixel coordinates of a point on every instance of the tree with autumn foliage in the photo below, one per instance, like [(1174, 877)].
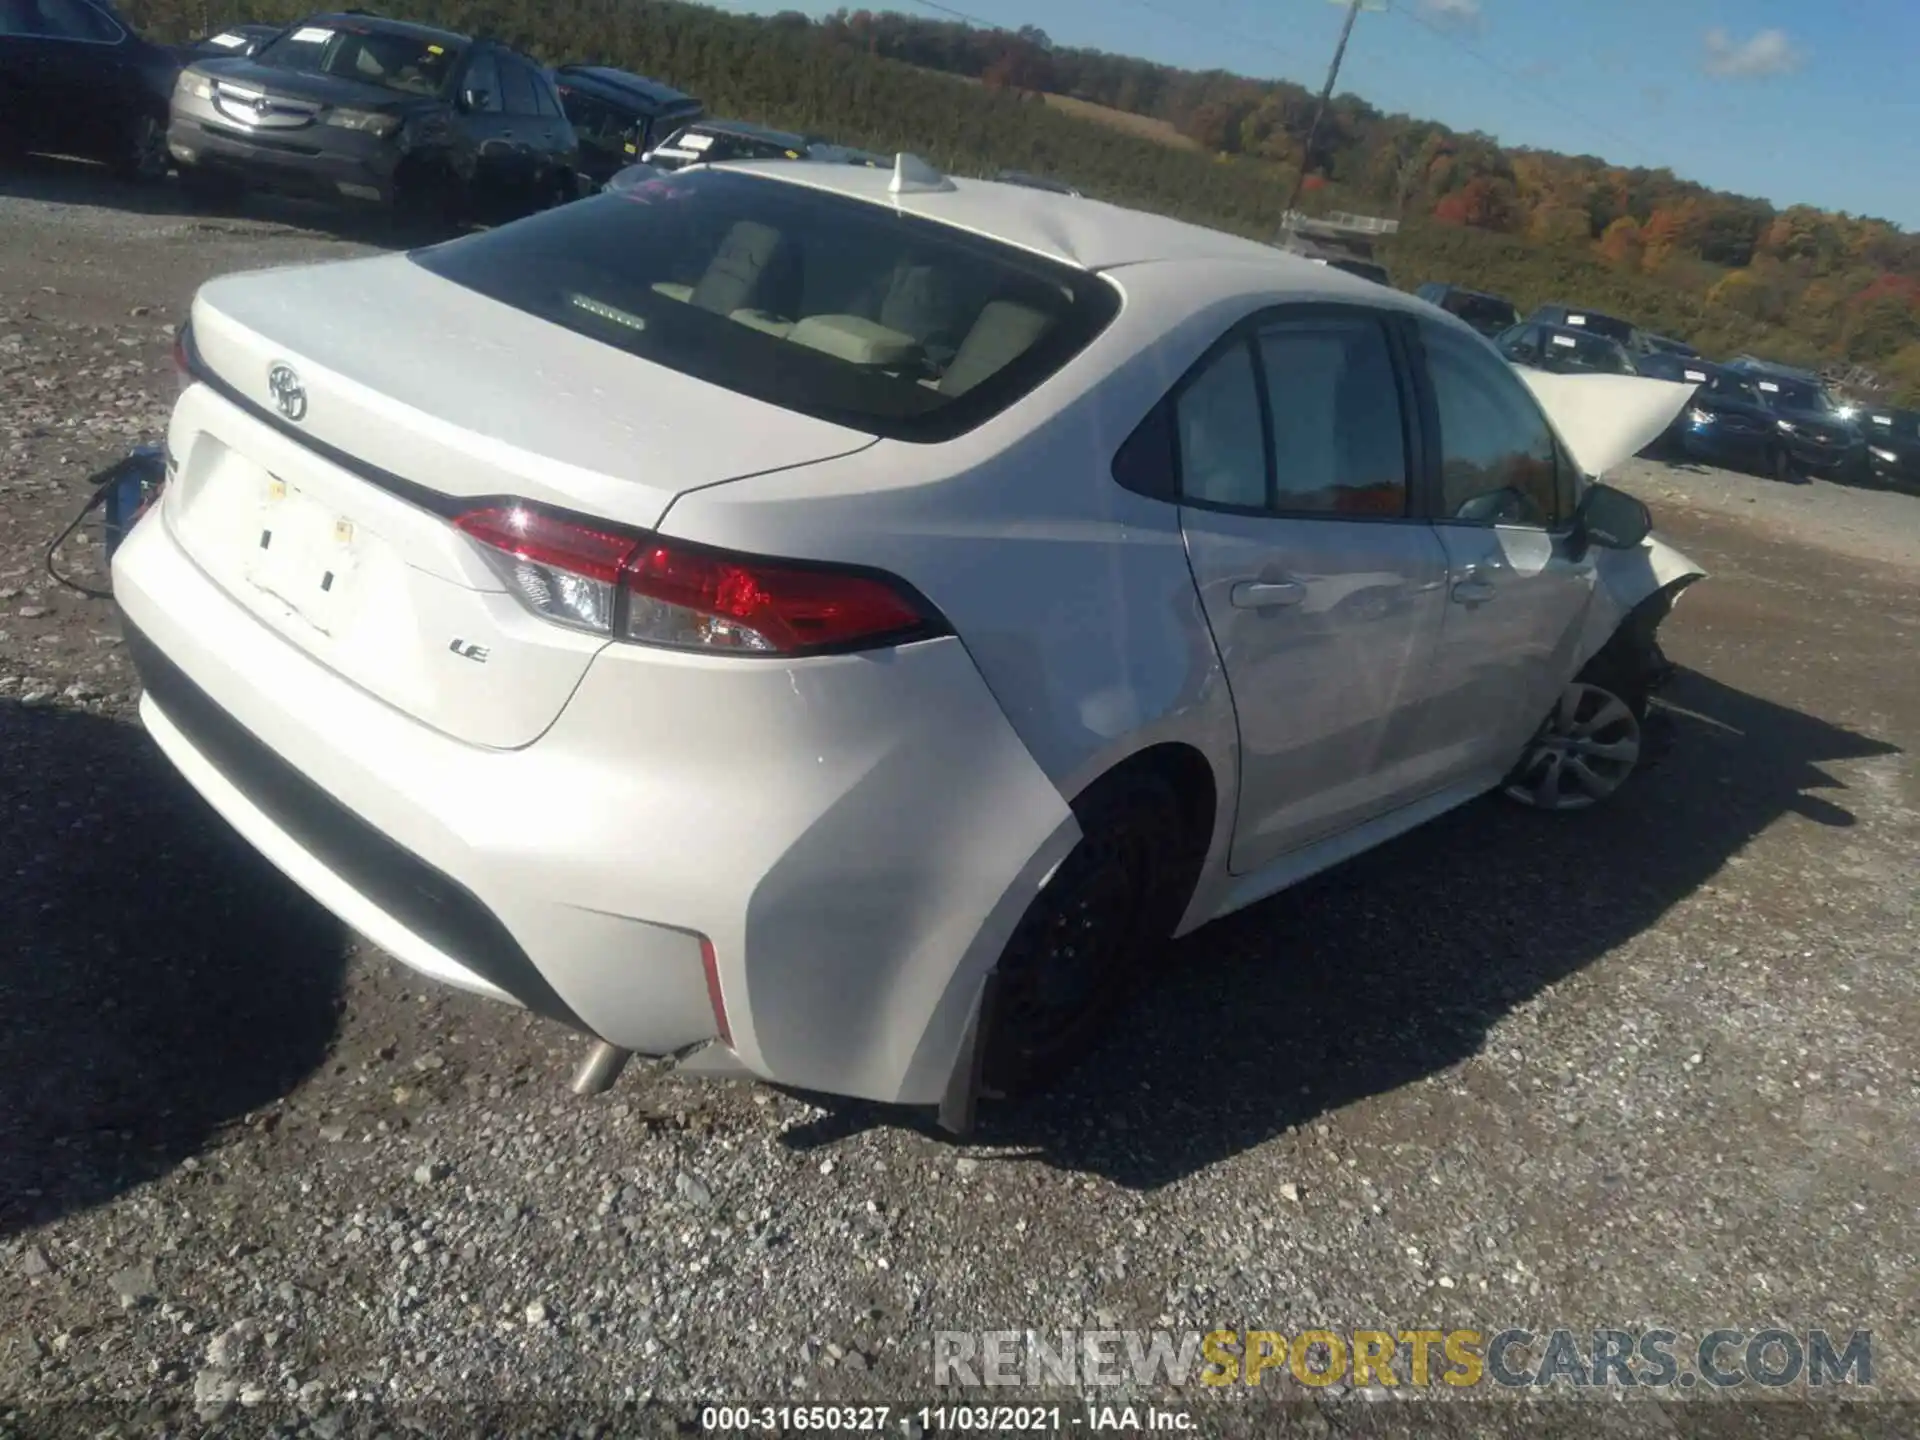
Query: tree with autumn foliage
[(1727, 272)]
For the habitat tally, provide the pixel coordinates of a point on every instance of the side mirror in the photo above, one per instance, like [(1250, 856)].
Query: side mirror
[(1612, 518)]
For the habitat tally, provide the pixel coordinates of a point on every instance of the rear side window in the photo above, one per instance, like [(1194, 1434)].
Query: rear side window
[(1223, 454), (1338, 442), (814, 302)]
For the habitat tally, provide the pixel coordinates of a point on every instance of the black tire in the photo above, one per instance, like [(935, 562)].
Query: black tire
[(143, 157), (1073, 960)]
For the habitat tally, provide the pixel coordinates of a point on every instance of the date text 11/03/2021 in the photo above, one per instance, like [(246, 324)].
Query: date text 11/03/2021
[(943, 1419)]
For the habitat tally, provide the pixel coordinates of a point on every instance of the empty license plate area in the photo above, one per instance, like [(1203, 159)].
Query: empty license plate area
[(304, 553)]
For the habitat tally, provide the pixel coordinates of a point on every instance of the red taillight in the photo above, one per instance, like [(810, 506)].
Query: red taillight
[(660, 593), (681, 596), (561, 570), (711, 964)]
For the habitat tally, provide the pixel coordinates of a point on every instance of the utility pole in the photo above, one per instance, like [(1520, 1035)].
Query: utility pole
[(1320, 110)]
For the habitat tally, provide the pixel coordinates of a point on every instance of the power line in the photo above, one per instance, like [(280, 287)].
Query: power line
[(1520, 80), (961, 15)]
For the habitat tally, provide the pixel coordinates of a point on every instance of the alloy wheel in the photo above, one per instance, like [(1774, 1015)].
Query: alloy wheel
[(1585, 751)]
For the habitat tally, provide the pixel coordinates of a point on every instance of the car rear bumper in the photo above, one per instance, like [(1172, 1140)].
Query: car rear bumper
[(344, 167), (854, 836)]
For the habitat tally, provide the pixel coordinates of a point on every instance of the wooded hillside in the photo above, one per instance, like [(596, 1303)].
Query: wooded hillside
[(1727, 272)]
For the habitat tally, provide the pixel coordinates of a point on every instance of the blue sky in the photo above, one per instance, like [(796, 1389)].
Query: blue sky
[(1798, 102)]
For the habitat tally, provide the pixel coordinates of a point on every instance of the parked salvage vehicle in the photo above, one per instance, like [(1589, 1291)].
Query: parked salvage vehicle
[(1563, 349), (234, 42), (1667, 345), (1623, 333), (712, 142), (77, 79), (932, 629), (1816, 437), (1491, 315), (356, 108), (1893, 445), (1726, 423), (618, 116)]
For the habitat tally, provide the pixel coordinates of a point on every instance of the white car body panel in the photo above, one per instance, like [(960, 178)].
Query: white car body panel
[(856, 835), (470, 397), (1606, 420), (917, 822)]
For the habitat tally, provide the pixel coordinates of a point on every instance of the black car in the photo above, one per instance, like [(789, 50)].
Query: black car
[(75, 79), (357, 108), (1667, 345), (619, 116), (235, 41), (1816, 437), (1686, 369), (1728, 425), (1893, 445), (710, 142), (1491, 315), (1564, 350), (1577, 317)]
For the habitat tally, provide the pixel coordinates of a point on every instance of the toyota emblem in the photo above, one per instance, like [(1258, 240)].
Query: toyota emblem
[(289, 395)]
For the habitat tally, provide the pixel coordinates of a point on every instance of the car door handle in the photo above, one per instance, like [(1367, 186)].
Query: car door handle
[(1473, 591), (1259, 594)]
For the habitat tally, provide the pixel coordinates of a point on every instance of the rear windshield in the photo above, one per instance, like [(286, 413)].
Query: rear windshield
[(1605, 325), (1793, 395), (1732, 387), (1571, 350), (814, 302), (403, 63), (1485, 314)]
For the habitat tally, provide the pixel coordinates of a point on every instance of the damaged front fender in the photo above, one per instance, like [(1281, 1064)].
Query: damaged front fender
[(1633, 592)]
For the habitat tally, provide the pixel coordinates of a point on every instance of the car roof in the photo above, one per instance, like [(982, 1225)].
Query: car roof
[(1579, 332), (361, 19), (652, 91), (1770, 367), (1089, 234), (1586, 310)]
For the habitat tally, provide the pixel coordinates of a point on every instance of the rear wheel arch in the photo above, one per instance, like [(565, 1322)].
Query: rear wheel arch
[(1186, 773), (1152, 815)]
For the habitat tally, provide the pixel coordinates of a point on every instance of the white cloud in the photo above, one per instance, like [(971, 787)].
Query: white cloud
[(1455, 14), (1769, 52)]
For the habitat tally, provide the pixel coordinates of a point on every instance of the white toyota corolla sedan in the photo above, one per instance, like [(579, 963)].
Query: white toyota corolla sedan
[(831, 625)]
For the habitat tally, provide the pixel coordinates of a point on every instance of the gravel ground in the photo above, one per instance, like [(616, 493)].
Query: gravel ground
[(1659, 1065)]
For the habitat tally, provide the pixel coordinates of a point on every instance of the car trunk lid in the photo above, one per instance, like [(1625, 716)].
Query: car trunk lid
[(351, 411)]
